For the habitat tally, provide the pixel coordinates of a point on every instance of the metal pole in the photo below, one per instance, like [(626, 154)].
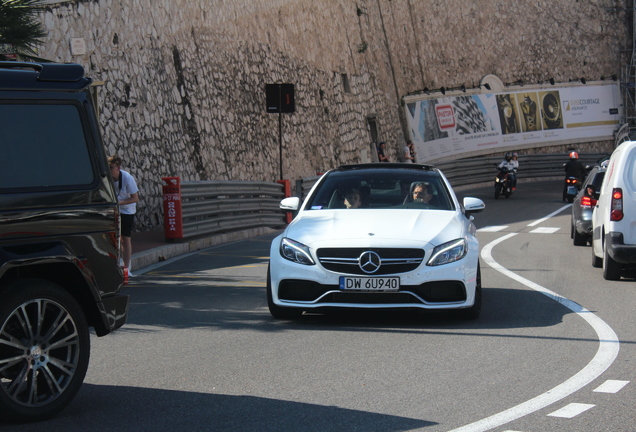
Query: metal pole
[(280, 143)]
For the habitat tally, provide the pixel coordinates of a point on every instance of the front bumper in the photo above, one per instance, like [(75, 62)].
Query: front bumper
[(450, 286), (429, 295), (618, 250)]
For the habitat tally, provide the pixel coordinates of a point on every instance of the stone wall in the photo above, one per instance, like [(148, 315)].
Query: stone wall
[(183, 89)]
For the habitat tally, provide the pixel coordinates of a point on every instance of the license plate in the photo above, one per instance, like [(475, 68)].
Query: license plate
[(369, 284), (572, 190)]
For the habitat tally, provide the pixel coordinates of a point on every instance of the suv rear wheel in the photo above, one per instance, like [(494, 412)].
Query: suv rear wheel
[(44, 349), (611, 268)]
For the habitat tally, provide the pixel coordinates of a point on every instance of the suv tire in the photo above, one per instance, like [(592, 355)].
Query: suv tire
[(611, 268), (44, 329)]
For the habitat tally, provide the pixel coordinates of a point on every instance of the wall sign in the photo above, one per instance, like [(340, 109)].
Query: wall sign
[(532, 116)]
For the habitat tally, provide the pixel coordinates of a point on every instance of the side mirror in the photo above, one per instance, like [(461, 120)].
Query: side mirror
[(290, 204), (473, 205)]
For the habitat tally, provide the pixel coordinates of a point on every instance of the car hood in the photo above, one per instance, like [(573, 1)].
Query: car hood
[(377, 228)]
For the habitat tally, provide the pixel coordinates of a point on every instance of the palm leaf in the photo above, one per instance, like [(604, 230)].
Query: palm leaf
[(20, 30)]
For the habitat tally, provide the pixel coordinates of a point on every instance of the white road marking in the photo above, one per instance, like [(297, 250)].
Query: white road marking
[(538, 221), (494, 228), (571, 410), (544, 230), (611, 386), (605, 356)]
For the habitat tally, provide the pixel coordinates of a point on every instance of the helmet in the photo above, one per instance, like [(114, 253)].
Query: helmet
[(574, 155), (508, 156), (514, 154)]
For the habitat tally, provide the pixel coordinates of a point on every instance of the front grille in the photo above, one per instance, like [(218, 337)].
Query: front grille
[(394, 260), (430, 292)]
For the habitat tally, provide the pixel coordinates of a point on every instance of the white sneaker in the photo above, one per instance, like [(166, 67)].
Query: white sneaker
[(130, 274)]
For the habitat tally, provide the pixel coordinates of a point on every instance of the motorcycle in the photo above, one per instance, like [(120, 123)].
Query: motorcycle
[(571, 188), (503, 183)]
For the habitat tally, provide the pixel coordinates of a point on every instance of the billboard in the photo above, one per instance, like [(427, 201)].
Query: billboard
[(483, 123)]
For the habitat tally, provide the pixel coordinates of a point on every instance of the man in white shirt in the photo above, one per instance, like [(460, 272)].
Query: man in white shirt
[(128, 196), (408, 152)]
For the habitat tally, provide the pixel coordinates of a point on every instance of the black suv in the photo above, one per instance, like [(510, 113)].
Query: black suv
[(59, 238)]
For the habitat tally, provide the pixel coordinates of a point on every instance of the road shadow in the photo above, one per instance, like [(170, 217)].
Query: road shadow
[(112, 408), (221, 306)]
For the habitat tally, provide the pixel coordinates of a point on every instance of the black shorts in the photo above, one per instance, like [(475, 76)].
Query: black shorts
[(127, 222)]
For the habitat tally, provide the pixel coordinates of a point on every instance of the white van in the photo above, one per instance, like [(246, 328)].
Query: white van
[(614, 217)]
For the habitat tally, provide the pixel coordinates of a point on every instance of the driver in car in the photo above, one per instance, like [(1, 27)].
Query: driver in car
[(421, 193)]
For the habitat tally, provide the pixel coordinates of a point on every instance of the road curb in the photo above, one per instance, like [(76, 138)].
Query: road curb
[(171, 250)]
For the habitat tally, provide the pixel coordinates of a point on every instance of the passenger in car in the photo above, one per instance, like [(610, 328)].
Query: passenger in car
[(352, 199)]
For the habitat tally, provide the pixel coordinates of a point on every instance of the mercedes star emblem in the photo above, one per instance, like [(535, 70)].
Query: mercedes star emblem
[(369, 262)]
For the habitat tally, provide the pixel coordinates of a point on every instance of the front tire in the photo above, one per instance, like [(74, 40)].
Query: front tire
[(611, 268), (44, 350), (280, 312)]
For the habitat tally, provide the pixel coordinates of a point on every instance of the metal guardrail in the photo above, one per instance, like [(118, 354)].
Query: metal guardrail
[(210, 207), (482, 169)]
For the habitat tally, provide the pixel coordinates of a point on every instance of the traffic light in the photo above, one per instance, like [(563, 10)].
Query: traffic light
[(280, 98)]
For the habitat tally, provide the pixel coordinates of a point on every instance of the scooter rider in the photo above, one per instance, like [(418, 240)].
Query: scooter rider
[(574, 168), (512, 169)]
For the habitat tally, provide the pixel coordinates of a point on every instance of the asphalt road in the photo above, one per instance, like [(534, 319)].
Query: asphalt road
[(201, 352)]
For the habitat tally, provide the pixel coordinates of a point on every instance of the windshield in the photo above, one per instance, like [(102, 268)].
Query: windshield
[(381, 189)]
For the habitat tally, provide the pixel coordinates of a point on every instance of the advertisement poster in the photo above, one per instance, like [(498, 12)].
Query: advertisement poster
[(477, 124)]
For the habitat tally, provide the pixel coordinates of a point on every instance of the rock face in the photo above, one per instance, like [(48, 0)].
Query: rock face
[(183, 81)]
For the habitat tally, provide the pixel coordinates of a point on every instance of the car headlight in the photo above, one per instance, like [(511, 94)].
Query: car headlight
[(296, 252), (448, 252)]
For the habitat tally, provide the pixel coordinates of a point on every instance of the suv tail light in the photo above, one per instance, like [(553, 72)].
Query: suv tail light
[(616, 212)]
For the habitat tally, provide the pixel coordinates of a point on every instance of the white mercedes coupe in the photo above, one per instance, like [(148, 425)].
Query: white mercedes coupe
[(370, 236)]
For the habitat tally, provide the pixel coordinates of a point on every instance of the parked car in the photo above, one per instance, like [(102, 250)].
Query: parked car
[(59, 238), (377, 236), (583, 205), (613, 219)]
